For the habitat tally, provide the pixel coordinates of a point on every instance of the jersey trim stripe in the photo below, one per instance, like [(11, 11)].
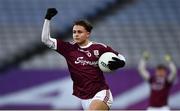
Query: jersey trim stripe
[(106, 98), (100, 44)]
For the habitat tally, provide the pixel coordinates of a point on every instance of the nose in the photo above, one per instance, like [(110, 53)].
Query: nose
[(76, 35)]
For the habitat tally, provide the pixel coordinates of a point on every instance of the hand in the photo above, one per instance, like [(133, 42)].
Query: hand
[(146, 55), (115, 64), (51, 12), (167, 58)]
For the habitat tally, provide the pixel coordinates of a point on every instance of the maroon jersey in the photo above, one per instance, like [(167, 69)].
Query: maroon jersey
[(160, 88), (87, 78)]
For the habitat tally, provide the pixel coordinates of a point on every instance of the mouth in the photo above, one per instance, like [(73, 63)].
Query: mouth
[(76, 38)]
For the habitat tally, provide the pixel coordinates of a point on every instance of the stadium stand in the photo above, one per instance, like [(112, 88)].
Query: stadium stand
[(151, 25), (145, 25), (21, 22)]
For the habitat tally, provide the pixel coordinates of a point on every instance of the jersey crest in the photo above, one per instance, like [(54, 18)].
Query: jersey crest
[(96, 53)]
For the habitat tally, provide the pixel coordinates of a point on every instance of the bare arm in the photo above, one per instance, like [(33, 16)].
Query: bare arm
[(142, 69), (45, 36), (173, 71)]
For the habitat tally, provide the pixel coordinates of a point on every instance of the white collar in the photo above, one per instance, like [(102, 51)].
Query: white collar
[(86, 46)]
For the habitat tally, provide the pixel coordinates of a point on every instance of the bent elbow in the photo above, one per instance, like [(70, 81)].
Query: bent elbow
[(43, 39)]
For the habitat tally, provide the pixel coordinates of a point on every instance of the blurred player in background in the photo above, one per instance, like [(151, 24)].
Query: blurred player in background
[(160, 83), (82, 58)]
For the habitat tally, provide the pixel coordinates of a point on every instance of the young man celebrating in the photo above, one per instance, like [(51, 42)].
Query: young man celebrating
[(160, 82), (82, 58)]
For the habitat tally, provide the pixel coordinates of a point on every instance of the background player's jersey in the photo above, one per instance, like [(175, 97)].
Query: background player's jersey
[(160, 88), (87, 78)]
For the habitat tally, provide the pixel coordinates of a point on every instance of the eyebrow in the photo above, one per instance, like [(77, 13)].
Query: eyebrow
[(78, 30)]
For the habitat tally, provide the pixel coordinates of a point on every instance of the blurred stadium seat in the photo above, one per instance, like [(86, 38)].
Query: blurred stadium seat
[(21, 21), (151, 25)]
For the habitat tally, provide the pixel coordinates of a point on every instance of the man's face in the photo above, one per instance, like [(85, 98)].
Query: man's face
[(161, 72), (80, 34)]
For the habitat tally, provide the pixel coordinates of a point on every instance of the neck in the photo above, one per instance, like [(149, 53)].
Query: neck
[(84, 43)]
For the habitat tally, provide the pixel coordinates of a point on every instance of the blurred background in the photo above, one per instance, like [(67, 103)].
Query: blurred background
[(35, 77)]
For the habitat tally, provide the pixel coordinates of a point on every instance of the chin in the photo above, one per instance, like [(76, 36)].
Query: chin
[(78, 42)]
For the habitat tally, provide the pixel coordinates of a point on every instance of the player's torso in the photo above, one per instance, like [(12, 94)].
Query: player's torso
[(159, 91), (88, 79), (85, 58), (158, 84)]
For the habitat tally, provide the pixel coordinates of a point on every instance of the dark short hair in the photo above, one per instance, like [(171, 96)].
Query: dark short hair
[(85, 24), (161, 66)]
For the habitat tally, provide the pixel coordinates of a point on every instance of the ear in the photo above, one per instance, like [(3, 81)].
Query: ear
[(88, 34)]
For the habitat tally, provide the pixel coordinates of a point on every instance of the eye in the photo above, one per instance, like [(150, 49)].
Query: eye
[(79, 31), (74, 31)]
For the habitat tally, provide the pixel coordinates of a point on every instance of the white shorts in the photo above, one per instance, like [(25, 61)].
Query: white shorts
[(163, 108), (103, 95)]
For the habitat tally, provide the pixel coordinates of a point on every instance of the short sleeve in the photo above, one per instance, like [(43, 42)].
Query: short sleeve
[(62, 47), (109, 49)]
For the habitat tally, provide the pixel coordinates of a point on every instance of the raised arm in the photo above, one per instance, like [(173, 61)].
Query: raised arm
[(45, 36), (142, 67), (173, 72), (172, 67)]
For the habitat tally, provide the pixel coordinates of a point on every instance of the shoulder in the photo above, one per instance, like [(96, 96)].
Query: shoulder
[(104, 48), (99, 44), (72, 42), (65, 42)]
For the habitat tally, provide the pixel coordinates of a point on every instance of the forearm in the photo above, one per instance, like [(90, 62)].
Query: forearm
[(46, 38), (142, 69), (173, 71)]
